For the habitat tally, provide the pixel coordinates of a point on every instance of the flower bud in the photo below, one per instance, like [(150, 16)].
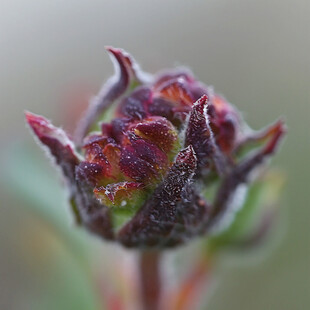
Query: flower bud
[(138, 178)]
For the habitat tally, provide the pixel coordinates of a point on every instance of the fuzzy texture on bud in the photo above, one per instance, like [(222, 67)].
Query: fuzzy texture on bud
[(138, 178)]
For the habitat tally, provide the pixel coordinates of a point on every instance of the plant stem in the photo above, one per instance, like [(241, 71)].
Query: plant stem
[(187, 295), (150, 280), (190, 290)]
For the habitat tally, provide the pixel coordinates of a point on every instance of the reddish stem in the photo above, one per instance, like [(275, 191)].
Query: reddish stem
[(188, 292), (150, 280)]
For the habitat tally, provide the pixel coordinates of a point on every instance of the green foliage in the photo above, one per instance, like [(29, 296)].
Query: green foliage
[(66, 284)]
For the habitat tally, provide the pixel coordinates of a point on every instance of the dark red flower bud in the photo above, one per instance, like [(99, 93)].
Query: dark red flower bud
[(139, 177)]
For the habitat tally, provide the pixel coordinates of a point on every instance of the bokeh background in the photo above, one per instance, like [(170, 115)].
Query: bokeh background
[(52, 60)]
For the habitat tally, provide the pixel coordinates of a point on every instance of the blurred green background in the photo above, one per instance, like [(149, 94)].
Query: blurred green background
[(257, 53)]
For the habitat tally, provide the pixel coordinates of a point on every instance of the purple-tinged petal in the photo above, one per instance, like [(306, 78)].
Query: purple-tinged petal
[(227, 135), (153, 223), (134, 106), (200, 136), (92, 173), (167, 76), (118, 128), (126, 72), (113, 154), (161, 107), (194, 87), (142, 161), (159, 131), (106, 129), (94, 154), (136, 168), (148, 151), (176, 91), (224, 122), (99, 150), (95, 139), (57, 142)]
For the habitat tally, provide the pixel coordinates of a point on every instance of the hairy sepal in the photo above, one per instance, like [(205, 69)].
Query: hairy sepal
[(154, 222)]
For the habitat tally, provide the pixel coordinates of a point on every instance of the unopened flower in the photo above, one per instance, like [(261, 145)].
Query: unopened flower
[(139, 177)]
